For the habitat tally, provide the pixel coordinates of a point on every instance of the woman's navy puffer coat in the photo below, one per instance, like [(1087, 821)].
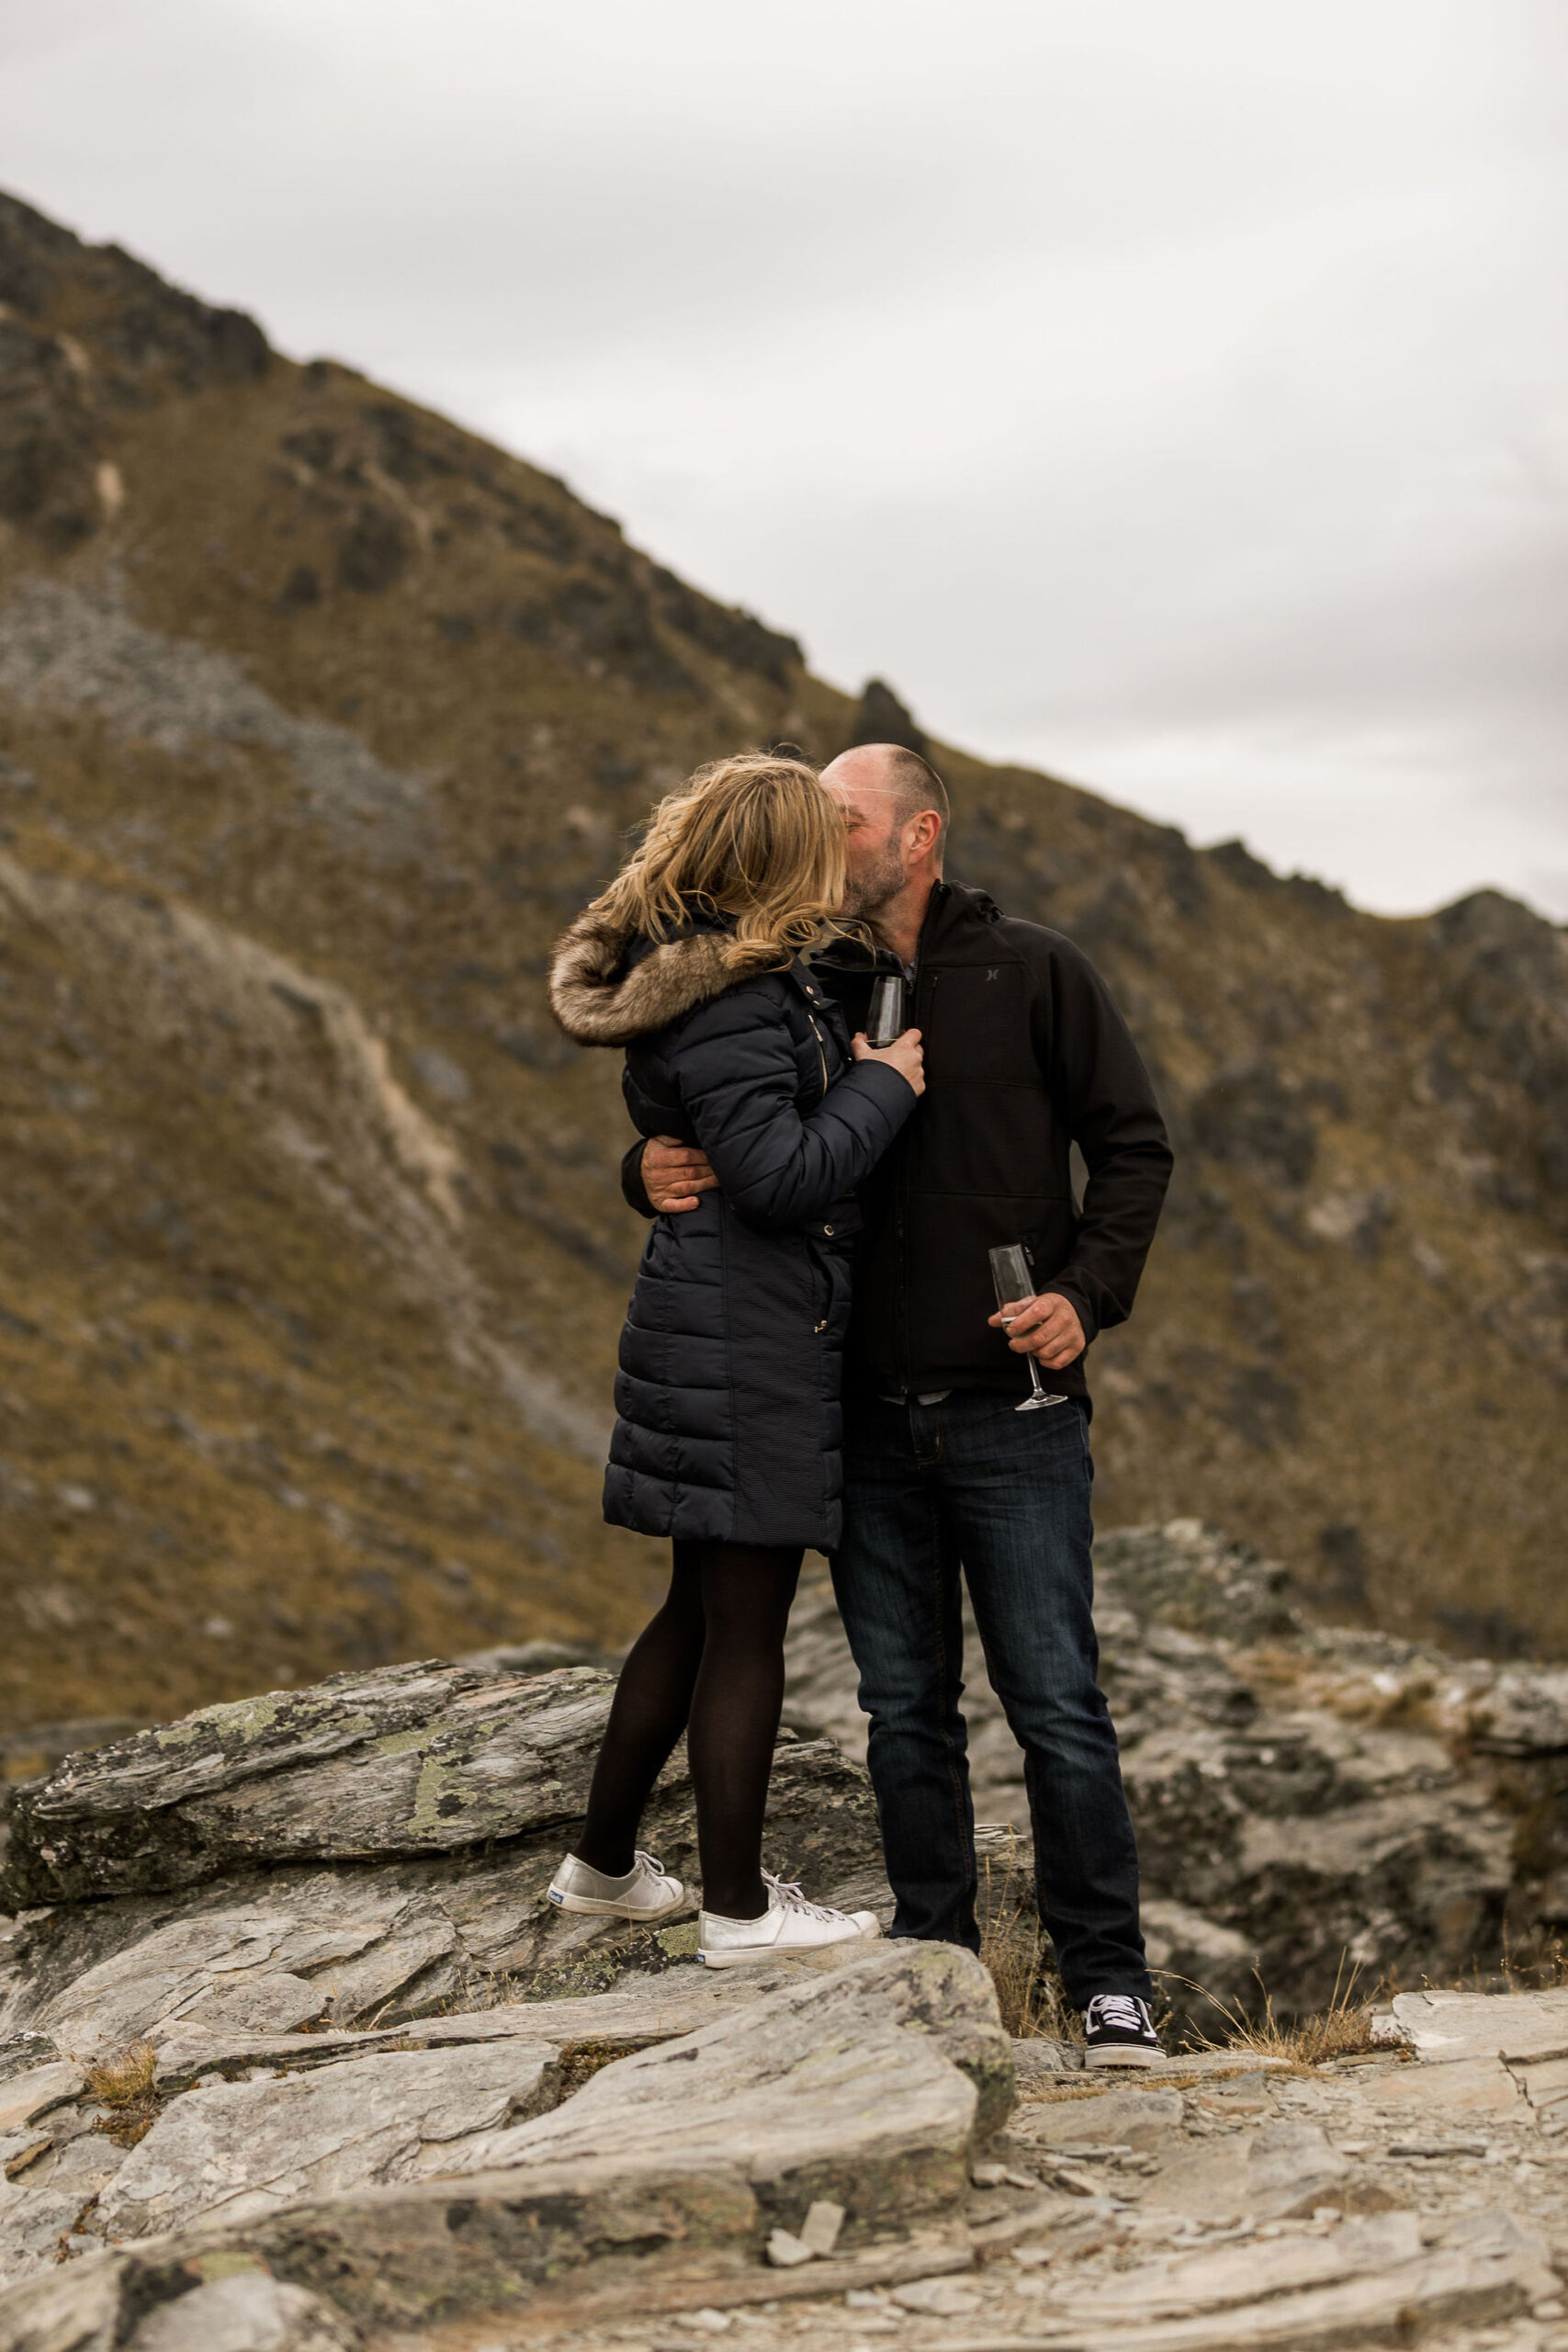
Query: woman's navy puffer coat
[(731, 1360)]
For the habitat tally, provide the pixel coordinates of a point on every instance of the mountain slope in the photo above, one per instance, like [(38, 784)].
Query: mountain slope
[(318, 718)]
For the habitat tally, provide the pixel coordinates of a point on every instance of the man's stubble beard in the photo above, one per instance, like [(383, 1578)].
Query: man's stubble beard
[(867, 894)]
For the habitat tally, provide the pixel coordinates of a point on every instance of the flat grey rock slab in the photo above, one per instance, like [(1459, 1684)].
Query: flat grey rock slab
[(241, 2150), (1288, 2165), (866, 2086), (308, 2115), (33, 2222), (409, 1759), (35, 2090), (1039, 2059), (76, 2308), (1439, 2290), (634, 2013), (1138, 2118), (1475, 2089), (1443, 2028), (1212, 2280), (1544, 2084), (1366, 2280), (295, 1949)]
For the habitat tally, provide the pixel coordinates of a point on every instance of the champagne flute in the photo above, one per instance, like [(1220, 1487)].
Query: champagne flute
[(885, 1020), (1013, 1280)]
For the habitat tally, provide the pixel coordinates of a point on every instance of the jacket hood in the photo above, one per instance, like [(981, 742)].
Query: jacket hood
[(608, 986), (957, 906)]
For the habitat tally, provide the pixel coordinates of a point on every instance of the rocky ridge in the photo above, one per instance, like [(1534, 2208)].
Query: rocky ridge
[(295, 2057)]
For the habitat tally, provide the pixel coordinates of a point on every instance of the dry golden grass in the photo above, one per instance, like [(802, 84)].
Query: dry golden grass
[(1542, 1966), (1029, 1992), (126, 2077), (1547, 1974), (1034, 2005), (1343, 2030), (123, 2083)]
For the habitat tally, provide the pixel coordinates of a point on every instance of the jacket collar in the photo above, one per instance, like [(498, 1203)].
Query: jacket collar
[(608, 986), (952, 908)]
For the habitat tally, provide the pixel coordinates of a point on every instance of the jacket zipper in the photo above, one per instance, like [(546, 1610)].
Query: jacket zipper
[(924, 1006), (819, 1329), (821, 1052)]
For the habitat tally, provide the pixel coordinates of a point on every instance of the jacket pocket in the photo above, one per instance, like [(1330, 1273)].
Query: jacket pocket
[(829, 1286), (819, 1287)]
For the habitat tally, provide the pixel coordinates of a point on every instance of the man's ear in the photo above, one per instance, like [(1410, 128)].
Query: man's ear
[(924, 833)]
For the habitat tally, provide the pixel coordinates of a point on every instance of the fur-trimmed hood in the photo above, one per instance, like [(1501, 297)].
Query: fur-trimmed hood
[(604, 992)]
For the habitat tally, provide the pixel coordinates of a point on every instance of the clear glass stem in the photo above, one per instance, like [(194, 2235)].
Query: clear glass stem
[(1039, 1395)]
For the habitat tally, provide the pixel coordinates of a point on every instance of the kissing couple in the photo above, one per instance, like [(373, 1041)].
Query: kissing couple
[(819, 1353)]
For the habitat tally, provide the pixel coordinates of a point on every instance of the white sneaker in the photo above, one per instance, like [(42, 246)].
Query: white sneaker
[(647, 1892), (790, 1925)]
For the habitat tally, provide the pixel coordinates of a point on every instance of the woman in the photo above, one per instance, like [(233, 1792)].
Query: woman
[(731, 1358)]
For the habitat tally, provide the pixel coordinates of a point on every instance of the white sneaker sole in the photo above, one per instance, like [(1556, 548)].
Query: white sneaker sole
[(748, 1955), (598, 1908), (1123, 2054)]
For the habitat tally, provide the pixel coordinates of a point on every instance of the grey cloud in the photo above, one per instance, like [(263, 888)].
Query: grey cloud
[(1172, 389)]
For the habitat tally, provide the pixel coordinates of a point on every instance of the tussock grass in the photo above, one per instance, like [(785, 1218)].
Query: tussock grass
[(1029, 1992), (123, 2084), (1343, 2030), (1034, 2005), (120, 2080), (1542, 1968)]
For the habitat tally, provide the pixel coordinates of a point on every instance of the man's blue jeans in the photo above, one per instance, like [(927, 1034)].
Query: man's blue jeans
[(1006, 1494)]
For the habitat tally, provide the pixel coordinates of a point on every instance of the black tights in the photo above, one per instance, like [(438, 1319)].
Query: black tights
[(710, 1665)]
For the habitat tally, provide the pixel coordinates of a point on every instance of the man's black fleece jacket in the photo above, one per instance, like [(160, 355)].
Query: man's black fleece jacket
[(1026, 1056)]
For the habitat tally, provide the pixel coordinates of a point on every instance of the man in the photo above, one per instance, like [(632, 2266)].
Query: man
[(1025, 1055)]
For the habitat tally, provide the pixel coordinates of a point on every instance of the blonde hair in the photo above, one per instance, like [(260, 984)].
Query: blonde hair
[(754, 837)]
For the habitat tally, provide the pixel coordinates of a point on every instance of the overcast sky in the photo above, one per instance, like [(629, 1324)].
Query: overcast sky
[(1174, 396)]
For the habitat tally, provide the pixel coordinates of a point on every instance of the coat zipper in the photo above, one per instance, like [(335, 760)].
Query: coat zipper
[(921, 1012), (819, 1329), (821, 1052)]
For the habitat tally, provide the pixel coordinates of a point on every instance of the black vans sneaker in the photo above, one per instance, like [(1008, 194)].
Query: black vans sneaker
[(1118, 2031)]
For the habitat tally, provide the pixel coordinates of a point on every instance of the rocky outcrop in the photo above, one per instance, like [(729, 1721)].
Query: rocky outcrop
[(880, 717), (1232, 2202), (55, 480), (281, 2071), (230, 1803), (234, 1893), (411, 1760), (1307, 1803), (407, 2183), (867, 2085)]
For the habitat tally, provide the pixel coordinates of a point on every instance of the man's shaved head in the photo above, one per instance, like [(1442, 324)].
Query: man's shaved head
[(890, 768)]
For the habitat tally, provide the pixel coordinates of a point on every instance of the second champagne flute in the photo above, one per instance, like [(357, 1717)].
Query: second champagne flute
[(1013, 1279)]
